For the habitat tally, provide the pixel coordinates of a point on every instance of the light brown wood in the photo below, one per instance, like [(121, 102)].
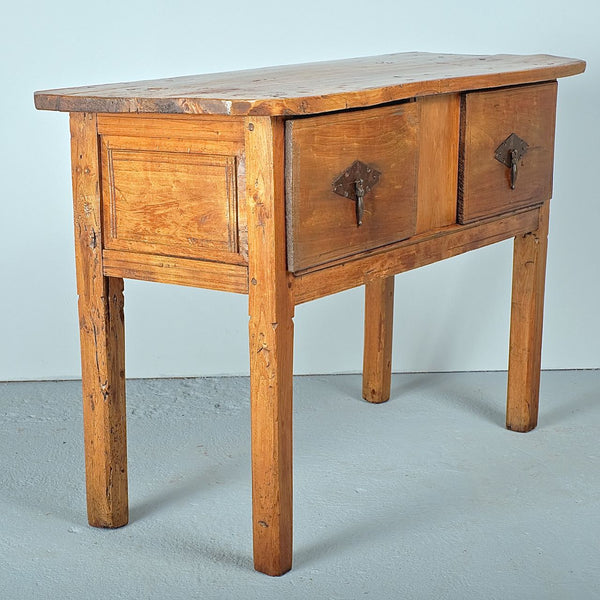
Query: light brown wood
[(227, 131), (379, 321), (322, 225), (439, 118), (271, 348), (181, 205), (488, 119), (527, 314), (200, 199), (102, 340), (180, 271), (174, 196), (313, 88), (416, 252)]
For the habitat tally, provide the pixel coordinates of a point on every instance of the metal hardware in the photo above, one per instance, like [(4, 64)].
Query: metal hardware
[(360, 200), (354, 183), (509, 153), (514, 162)]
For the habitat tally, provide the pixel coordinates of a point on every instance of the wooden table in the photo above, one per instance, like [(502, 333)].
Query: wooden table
[(289, 184)]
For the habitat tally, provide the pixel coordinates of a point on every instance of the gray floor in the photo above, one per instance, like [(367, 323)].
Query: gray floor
[(427, 496)]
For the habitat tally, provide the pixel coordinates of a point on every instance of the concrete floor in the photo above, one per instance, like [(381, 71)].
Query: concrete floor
[(427, 496)]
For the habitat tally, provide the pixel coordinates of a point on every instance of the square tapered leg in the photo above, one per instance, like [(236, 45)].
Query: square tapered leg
[(379, 321), (271, 311), (527, 312), (102, 340)]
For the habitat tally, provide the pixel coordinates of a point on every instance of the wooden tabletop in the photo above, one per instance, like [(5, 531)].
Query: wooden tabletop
[(312, 87)]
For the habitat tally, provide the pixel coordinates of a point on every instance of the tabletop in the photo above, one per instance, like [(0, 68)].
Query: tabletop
[(312, 87)]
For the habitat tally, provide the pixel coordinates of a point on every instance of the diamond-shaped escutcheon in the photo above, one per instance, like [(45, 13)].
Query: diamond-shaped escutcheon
[(345, 183), (505, 149)]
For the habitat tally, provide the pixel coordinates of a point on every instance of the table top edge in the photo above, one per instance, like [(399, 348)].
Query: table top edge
[(336, 85)]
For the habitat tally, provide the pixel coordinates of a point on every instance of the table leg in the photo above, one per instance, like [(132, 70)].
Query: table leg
[(377, 358), (527, 310), (271, 347), (102, 340)]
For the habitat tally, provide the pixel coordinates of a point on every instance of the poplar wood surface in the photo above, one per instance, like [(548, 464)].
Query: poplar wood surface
[(527, 313), (271, 348), (313, 87), (102, 340), (379, 323)]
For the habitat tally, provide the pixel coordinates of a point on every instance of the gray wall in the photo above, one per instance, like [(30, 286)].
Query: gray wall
[(449, 316)]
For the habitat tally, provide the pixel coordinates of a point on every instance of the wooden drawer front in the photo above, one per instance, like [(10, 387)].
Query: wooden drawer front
[(488, 119), (175, 197), (322, 225)]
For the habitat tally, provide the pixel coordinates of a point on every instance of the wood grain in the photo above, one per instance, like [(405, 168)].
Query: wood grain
[(102, 340), (488, 119), (322, 225), (227, 131), (176, 270), (194, 181), (439, 118), (182, 205), (379, 324), (170, 186), (527, 314), (271, 348), (312, 88), (416, 252)]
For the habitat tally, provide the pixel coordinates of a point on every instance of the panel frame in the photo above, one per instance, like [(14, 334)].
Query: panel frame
[(201, 137)]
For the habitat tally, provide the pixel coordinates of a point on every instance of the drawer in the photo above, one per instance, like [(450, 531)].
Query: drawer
[(175, 196), (494, 124), (325, 157)]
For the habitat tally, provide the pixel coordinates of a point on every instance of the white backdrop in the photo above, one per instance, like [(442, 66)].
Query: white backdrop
[(449, 316)]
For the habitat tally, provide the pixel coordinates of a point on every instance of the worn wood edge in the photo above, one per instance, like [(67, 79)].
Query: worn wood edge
[(289, 192), (176, 270), (60, 100), (410, 254), (460, 204)]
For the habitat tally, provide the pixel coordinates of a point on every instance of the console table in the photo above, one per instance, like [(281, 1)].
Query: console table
[(291, 183)]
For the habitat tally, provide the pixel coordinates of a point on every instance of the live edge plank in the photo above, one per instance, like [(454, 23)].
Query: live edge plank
[(102, 340)]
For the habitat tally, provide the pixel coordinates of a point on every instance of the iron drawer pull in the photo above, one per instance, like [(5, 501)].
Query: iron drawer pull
[(356, 181)]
